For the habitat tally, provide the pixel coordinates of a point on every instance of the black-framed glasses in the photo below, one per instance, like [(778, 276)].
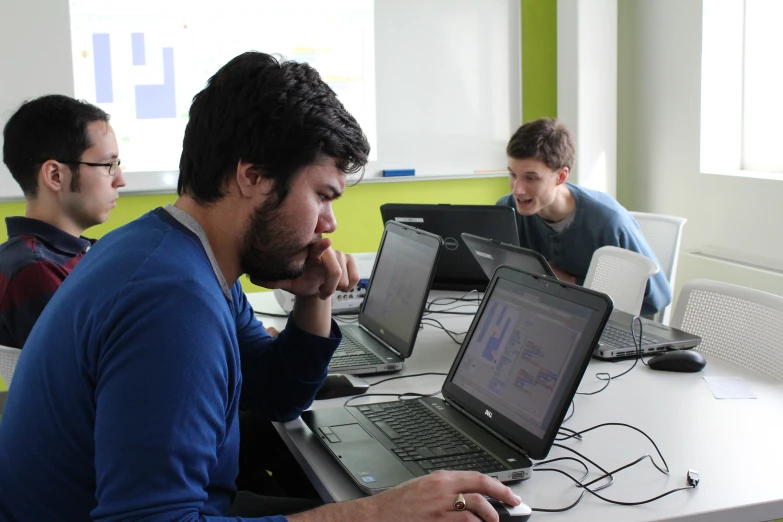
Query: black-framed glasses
[(113, 166)]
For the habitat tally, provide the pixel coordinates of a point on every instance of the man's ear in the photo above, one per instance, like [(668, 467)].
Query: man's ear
[(562, 175), (250, 180), (54, 175)]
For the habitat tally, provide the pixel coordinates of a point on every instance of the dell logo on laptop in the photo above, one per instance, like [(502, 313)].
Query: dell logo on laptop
[(488, 413), (450, 243)]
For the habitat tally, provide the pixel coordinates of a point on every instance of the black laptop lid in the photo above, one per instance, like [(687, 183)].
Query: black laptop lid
[(399, 286), (525, 354), (491, 254), (457, 270)]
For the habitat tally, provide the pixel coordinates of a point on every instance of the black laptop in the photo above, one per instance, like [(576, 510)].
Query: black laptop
[(504, 399), (391, 311), (616, 342), (456, 269), (490, 254)]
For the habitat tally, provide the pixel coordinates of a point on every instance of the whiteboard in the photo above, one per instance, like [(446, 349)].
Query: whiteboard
[(448, 82)]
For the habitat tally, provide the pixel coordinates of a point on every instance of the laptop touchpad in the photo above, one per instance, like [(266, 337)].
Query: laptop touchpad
[(350, 432)]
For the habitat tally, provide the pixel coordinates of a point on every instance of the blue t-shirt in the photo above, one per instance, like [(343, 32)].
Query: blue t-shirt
[(599, 220), (125, 400)]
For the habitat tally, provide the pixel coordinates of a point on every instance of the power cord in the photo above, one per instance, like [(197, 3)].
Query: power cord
[(605, 376), (692, 476), (437, 324), (452, 300)]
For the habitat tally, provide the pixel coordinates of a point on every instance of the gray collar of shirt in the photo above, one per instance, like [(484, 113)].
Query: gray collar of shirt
[(191, 224)]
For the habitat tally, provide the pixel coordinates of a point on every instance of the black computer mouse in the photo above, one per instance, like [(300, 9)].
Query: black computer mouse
[(341, 385), (678, 361)]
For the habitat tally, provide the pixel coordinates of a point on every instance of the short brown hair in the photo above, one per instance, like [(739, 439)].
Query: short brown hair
[(546, 140)]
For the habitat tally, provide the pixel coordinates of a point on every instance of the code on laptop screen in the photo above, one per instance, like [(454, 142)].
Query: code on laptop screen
[(518, 361)]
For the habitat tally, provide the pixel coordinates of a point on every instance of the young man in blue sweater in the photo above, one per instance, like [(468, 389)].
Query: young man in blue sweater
[(564, 222), (125, 401)]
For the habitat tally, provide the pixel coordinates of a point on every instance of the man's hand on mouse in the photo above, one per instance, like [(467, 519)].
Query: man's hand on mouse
[(325, 271), (430, 498)]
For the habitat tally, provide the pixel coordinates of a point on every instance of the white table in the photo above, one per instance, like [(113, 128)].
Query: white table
[(734, 444)]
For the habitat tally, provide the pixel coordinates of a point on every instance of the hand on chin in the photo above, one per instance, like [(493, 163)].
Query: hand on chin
[(325, 270)]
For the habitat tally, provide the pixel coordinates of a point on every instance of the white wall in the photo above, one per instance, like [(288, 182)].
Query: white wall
[(587, 87), (659, 83)]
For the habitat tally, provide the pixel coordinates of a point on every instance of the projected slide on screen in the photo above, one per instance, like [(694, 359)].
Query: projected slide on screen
[(143, 61)]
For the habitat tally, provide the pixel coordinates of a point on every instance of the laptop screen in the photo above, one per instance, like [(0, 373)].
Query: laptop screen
[(526, 353), (457, 270), (491, 254), (400, 285)]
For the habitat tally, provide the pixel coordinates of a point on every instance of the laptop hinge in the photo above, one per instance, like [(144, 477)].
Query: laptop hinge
[(483, 425), (384, 343)]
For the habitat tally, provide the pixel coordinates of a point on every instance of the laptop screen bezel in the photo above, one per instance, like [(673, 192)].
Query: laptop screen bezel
[(536, 447), (475, 243), (444, 220), (404, 347)]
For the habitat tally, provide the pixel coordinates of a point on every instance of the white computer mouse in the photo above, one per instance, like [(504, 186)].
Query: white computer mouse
[(508, 513)]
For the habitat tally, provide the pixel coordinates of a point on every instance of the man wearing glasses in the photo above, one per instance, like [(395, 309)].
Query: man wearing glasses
[(64, 155)]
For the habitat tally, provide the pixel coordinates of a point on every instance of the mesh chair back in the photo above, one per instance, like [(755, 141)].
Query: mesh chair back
[(737, 324), (622, 275)]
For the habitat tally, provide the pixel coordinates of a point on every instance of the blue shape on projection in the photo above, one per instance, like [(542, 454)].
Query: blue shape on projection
[(158, 101), (137, 49), (101, 55)]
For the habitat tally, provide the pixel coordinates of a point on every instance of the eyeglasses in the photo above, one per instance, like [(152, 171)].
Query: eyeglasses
[(113, 166)]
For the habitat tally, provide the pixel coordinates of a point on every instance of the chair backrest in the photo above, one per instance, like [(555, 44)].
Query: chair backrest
[(664, 235), (622, 275), (8, 358), (738, 324)]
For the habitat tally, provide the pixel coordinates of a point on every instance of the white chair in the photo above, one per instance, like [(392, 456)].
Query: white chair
[(738, 324), (8, 358), (622, 275), (664, 234)]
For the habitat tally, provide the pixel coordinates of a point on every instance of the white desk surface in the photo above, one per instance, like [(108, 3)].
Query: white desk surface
[(733, 443)]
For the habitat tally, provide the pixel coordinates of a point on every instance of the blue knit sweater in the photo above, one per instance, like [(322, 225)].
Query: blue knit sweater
[(599, 221), (124, 402)]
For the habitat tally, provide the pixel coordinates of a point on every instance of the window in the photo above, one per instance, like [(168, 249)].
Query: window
[(741, 98)]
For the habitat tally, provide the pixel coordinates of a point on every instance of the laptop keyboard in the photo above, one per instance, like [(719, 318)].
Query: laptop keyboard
[(621, 338), (351, 354), (422, 436)]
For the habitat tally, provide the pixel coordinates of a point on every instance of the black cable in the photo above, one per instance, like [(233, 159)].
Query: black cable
[(453, 300), (605, 376), (693, 478), (572, 409), (437, 324), (664, 470), (592, 492), (581, 495), (639, 346), (606, 473)]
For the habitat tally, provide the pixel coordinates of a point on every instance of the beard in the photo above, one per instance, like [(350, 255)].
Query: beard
[(268, 251)]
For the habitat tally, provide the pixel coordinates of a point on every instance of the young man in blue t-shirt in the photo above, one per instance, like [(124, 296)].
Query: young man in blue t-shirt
[(564, 222), (125, 404)]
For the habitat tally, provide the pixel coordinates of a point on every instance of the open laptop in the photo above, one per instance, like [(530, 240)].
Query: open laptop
[(490, 254), (505, 397), (391, 311), (616, 341), (456, 269)]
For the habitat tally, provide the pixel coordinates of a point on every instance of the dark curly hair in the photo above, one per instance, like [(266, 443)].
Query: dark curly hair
[(278, 115)]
